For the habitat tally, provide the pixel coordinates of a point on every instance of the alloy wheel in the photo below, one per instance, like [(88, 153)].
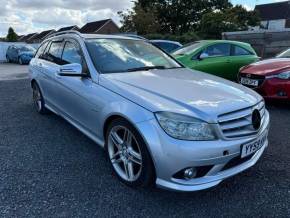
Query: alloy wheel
[(37, 99), (125, 153)]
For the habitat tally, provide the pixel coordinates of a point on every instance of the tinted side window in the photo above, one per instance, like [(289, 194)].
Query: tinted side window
[(41, 50), (240, 51), (71, 54), (221, 49), (168, 47), (54, 53)]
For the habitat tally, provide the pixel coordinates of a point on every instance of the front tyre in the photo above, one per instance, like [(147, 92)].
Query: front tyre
[(128, 154), (20, 61), (38, 100)]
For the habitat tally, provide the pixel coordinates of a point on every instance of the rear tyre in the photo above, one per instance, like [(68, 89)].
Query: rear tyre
[(38, 100), (128, 154), (8, 60)]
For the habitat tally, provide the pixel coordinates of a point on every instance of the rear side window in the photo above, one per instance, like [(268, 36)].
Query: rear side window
[(54, 53), (240, 51), (41, 50), (71, 54), (222, 49)]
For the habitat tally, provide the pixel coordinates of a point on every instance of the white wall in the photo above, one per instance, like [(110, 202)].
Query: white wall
[(276, 24), (4, 46)]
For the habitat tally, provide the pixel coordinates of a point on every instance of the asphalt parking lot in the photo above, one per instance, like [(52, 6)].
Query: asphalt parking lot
[(49, 169)]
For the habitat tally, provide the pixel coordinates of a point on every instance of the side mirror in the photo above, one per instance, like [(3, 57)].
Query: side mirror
[(203, 56), (71, 70)]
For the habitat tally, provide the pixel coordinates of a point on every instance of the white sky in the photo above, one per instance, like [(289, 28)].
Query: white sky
[(27, 16)]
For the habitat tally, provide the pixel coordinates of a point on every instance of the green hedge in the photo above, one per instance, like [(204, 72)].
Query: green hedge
[(185, 38)]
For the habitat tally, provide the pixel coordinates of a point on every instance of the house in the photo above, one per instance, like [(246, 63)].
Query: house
[(107, 26), (74, 27), (25, 38), (274, 16), (40, 37)]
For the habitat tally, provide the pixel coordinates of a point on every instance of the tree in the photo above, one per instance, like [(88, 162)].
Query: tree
[(11, 36), (231, 19), (169, 16), (139, 20)]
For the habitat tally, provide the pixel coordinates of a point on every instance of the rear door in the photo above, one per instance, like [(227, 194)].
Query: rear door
[(216, 60), (50, 64), (240, 57)]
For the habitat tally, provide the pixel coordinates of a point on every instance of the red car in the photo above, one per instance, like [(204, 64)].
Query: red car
[(270, 78)]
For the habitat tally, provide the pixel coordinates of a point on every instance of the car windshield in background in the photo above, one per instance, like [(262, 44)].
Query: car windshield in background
[(284, 54), (187, 49), (127, 55), (27, 48)]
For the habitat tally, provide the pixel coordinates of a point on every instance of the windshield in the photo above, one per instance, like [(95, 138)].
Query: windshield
[(284, 54), (27, 48), (187, 49), (123, 55)]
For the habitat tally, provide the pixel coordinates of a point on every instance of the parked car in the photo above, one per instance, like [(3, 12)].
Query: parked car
[(271, 78), (21, 54), (166, 45), (158, 121), (218, 57)]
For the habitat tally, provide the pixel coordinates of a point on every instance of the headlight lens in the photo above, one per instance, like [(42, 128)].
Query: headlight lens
[(284, 75), (184, 127)]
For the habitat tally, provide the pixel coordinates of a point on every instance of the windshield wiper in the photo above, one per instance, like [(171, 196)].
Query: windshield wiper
[(145, 68)]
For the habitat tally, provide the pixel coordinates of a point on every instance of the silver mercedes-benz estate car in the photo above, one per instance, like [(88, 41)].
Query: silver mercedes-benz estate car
[(160, 123)]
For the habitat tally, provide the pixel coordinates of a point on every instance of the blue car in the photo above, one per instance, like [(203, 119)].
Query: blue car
[(166, 45), (21, 54)]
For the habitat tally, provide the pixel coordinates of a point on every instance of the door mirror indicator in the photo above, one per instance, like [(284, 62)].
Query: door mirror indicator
[(71, 70)]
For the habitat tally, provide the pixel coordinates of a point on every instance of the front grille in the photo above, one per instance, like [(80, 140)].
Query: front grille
[(260, 78), (238, 123)]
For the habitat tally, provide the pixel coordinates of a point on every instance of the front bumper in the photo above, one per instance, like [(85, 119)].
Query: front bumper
[(275, 88), (171, 155)]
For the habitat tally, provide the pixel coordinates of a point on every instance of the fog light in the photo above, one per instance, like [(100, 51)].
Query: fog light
[(281, 93), (189, 173)]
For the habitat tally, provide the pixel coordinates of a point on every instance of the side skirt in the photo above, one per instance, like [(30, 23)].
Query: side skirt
[(79, 127)]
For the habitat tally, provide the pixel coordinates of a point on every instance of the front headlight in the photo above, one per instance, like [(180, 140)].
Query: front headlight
[(184, 127), (284, 75)]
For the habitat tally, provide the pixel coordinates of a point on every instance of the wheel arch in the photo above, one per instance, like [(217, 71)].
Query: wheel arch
[(32, 82), (113, 117)]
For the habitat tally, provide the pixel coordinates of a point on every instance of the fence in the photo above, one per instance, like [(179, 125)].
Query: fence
[(5, 45), (267, 43)]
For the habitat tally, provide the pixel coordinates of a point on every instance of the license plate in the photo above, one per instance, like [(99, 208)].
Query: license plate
[(250, 82), (252, 147)]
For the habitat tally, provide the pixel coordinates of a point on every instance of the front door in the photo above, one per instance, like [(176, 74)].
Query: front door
[(215, 59), (76, 96)]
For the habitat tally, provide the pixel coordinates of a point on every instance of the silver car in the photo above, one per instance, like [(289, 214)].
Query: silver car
[(160, 123)]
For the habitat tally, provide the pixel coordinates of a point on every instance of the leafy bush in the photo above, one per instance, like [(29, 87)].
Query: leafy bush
[(184, 38)]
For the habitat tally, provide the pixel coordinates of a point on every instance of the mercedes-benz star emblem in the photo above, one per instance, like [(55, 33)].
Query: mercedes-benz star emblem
[(256, 119)]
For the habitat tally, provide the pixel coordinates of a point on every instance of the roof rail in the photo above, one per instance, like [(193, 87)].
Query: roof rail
[(64, 32)]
